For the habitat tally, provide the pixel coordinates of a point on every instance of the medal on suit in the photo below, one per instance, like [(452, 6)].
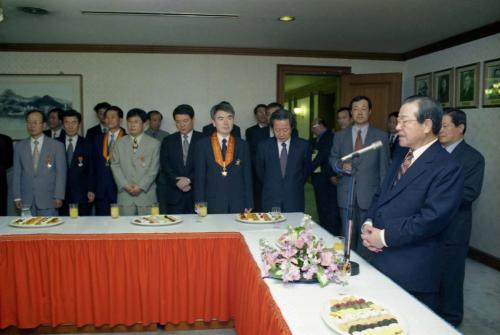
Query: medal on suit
[(224, 171), (48, 160), (80, 161)]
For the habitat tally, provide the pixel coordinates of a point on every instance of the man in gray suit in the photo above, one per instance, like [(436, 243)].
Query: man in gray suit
[(155, 118), (457, 235), (135, 165), (369, 168), (39, 180)]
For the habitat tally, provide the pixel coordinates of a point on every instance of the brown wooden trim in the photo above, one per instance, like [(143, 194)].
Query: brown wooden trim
[(31, 47), (468, 36), (285, 69), (484, 258), (72, 329)]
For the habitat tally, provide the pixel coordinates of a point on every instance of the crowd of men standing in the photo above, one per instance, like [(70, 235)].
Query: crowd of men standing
[(411, 202)]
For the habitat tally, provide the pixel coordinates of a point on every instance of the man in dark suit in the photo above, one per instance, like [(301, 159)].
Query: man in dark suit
[(392, 121), (103, 184), (209, 129), (369, 169), (79, 160), (99, 129), (418, 197), (177, 164), (344, 118), (253, 136), (6, 161), (223, 170), (283, 165), (457, 235), (325, 190), (55, 118)]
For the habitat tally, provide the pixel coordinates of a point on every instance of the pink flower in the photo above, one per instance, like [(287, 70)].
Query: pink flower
[(326, 258), (299, 243)]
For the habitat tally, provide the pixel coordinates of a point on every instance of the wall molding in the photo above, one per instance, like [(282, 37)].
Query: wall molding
[(484, 258)]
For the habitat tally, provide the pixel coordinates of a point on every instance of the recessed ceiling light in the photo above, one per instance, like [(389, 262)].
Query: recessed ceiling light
[(286, 18), (33, 10)]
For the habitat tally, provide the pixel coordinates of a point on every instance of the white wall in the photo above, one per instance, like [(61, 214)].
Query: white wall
[(163, 81), (482, 133)]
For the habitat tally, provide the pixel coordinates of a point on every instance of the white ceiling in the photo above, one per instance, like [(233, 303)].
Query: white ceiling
[(391, 26)]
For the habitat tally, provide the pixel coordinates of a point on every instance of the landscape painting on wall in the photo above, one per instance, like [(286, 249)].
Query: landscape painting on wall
[(20, 93)]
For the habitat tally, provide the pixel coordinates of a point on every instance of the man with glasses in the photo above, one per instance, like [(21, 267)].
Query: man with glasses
[(419, 195)]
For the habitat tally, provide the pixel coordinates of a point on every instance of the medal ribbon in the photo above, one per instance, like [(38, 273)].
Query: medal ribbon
[(108, 156), (218, 151)]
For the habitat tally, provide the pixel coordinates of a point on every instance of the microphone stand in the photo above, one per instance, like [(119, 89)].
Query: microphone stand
[(350, 210)]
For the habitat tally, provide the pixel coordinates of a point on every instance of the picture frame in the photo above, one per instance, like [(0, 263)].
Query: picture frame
[(443, 87), (467, 86), (491, 83), (20, 93), (423, 84)]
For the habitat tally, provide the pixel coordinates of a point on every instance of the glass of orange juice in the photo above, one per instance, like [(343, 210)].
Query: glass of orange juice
[(73, 211), (201, 209), (339, 245), (155, 209), (115, 211)]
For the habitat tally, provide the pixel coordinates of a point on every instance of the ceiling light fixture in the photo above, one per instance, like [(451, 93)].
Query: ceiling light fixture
[(169, 14), (286, 18)]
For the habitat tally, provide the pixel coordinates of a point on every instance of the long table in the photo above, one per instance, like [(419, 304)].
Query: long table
[(103, 271)]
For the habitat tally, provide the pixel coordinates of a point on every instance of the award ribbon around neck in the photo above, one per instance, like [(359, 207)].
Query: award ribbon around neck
[(109, 155), (223, 163)]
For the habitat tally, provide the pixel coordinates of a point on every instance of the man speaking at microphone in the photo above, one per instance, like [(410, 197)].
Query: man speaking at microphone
[(419, 195), (370, 168)]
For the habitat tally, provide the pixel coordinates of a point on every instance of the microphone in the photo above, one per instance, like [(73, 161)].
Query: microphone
[(374, 146)]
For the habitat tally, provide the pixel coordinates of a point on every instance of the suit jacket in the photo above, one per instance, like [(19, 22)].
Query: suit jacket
[(322, 145), (159, 135), (48, 133), (472, 162), (78, 178), (287, 192), (253, 135), (6, 161), (393, 146), (370, 167), (172, 165), (48, 182), (102, 181), (94, 132), (414, 214), (209, 129), (139, 168), (224, 194)]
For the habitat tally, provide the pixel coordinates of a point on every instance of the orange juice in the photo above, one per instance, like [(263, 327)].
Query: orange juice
[(155, 210), (73, 211), (115, 211)]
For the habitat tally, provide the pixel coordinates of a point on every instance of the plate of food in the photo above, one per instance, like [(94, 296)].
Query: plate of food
[(347, 314), (36, 222), (157, 220), (259, 218)]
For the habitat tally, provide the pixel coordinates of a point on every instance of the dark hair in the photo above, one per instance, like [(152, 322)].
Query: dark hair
[(101, 105), (283, 114), (457, 116), (137, 112), (395, 114), (59, 112), (274, 105), (116, 109), (44, 118), (183, 109), (428, 108), (257, 107), (221, 106), (73, 113), (342, 109), (154, 112), (359, 98), (321, 121)]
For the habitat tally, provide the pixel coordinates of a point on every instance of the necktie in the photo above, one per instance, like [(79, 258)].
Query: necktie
[(283, 159), (135, 146), (110, 143), (69, 151), (185, 148), (53, 134), (404, 166), (224, 149), (36, 156), (358, 145)]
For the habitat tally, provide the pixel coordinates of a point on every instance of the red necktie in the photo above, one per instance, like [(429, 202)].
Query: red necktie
[(358, 145)]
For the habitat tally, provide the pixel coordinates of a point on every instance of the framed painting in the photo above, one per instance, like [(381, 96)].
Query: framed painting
[(467, 86), (443, 87), (491, 83), (20, 93), (423, 84)]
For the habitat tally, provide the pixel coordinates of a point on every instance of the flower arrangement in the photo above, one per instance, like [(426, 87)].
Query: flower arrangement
[(299, 255)]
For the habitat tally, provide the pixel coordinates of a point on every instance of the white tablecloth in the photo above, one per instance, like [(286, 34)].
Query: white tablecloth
[(300, 303)]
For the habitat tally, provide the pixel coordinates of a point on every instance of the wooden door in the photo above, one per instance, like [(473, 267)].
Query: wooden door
[(383, 89)]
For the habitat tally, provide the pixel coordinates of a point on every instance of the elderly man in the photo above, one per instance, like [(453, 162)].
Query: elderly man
[(155, 118), (457, 235), (418, 197), (39, 180)]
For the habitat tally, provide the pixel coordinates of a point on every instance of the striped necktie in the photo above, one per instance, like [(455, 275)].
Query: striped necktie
[(404, 166)]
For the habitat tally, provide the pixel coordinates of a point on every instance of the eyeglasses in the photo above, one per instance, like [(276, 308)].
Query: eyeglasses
[(404, 122)]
